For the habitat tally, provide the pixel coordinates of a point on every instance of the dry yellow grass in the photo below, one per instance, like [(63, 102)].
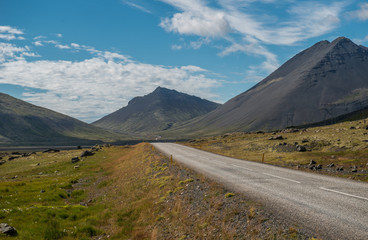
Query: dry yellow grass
[(344, 144)]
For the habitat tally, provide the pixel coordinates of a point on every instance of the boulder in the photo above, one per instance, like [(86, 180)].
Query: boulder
[(300, 148), (87, 153), (312, 162), (8, 230), (319, 167), (278, 137), (51, 151), (75, 159)]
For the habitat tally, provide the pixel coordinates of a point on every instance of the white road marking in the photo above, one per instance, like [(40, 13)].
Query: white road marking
[(241, 167), (287, 179), (346, 194)]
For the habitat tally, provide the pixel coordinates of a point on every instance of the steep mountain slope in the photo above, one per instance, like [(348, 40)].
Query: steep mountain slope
[(157, 111), (324, 81), (22, 123)]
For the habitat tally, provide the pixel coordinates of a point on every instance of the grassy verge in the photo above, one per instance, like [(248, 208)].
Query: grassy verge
[(341, 149), (128, 192)]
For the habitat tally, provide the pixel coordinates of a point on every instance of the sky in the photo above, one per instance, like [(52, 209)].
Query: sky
[(88, 58)]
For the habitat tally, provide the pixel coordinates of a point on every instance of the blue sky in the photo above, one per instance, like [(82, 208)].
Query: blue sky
[(87, 59)]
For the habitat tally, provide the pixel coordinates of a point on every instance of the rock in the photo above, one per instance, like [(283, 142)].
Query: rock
[(86, 153), (42, 191), (305, 140), (366, 128), (319, 167), (352, 127), (79, 147), (51, 150), (2, 162), (12, 158), (340, 169), (8, 230), (301, 148), (16, 153), (331, 165), (75, 159), (312, 167), (76, 167), (354, 170), (312, 162), (83, 204), (278, 137)]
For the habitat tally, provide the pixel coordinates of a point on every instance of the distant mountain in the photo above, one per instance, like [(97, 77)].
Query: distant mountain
[(155, 112), (22, 123), (323, 82)]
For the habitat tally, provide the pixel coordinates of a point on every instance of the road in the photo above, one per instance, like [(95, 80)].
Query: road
[(332, 208)]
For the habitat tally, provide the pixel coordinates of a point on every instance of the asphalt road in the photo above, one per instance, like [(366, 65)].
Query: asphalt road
[(331, 208)]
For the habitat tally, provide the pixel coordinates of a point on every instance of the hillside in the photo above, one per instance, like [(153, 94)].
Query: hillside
[(22, 123), (322, 82), (155, 112)]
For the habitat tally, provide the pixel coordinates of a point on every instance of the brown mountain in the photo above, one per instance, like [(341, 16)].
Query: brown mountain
[(325, 81), (22, 123), (155, 112)]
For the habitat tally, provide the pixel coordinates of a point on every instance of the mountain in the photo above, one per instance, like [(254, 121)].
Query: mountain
[(325, 81), (24, 124), (155, 112)]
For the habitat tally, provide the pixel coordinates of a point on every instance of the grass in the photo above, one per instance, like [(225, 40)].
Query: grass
[(128, 192), (344, 144)]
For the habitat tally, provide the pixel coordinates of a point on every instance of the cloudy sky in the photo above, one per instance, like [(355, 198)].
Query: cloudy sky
[(89, 58)]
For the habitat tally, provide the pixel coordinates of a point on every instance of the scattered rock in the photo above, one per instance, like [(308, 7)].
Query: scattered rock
[(2, 162), (51, 151), (12, 158), (42, 191), (354, 170), (352, 127), (331, 165), (75, 159), (305, 140), (83, 204), (86, 153), (8, 230), (312, 162), (319, 167), (312, 167), (301, 148), (340, 169), (76, 166), (278, 137)]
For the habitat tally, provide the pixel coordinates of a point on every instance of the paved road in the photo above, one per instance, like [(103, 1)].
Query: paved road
[(333, 208)]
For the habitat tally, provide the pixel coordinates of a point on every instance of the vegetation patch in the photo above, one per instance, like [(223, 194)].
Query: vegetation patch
[(338, 150)]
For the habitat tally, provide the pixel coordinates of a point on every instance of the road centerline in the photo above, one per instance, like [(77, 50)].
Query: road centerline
[(342, 193), (287, 179)]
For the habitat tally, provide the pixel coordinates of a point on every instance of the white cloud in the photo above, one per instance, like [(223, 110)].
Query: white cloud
[(362, 13), (206, 24), (94, 87), (38, 43), (235, 19), (191, 68), (176, 47), (139, 7), (9, 33), (10, 52), (61, 46), (59, 35)]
